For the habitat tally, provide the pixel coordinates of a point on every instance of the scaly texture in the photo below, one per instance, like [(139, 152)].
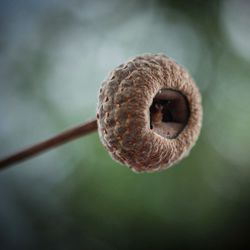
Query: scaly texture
[(124, 119)]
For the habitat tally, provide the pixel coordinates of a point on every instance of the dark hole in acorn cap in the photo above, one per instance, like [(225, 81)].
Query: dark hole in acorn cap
[(169, 113)]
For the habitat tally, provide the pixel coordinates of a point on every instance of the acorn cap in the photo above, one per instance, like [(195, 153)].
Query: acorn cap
[(149, 113)]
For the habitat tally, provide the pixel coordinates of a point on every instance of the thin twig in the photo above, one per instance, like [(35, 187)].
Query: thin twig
[(53, 142)]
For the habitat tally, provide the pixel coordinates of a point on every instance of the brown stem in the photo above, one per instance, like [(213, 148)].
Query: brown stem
[(55, 141)]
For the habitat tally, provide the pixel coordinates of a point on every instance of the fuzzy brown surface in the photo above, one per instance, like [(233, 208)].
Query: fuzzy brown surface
[(124, 119)]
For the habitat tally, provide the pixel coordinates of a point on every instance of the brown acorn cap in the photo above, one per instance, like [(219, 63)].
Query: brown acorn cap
[(149, 113)]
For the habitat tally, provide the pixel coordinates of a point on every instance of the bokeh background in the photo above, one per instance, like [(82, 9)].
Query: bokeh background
[(53, 57)]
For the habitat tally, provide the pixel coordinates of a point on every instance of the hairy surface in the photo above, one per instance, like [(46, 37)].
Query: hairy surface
[(123, 113)]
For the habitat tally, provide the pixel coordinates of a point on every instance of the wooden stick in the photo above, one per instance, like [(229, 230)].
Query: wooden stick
[(53, 142)]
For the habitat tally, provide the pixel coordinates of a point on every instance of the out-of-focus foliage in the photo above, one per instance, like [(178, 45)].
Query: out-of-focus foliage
[(53, 58)]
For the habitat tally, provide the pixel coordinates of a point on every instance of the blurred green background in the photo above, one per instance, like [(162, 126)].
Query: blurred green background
[(53, 57)]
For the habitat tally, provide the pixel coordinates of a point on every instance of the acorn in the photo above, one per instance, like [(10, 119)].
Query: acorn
[(149, 116), (149, 113)]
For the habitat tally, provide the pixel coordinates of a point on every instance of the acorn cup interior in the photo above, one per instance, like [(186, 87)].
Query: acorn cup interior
[(169, 113)]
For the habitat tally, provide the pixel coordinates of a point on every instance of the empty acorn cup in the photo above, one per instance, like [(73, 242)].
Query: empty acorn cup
[(149, 116), (149, 113)]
